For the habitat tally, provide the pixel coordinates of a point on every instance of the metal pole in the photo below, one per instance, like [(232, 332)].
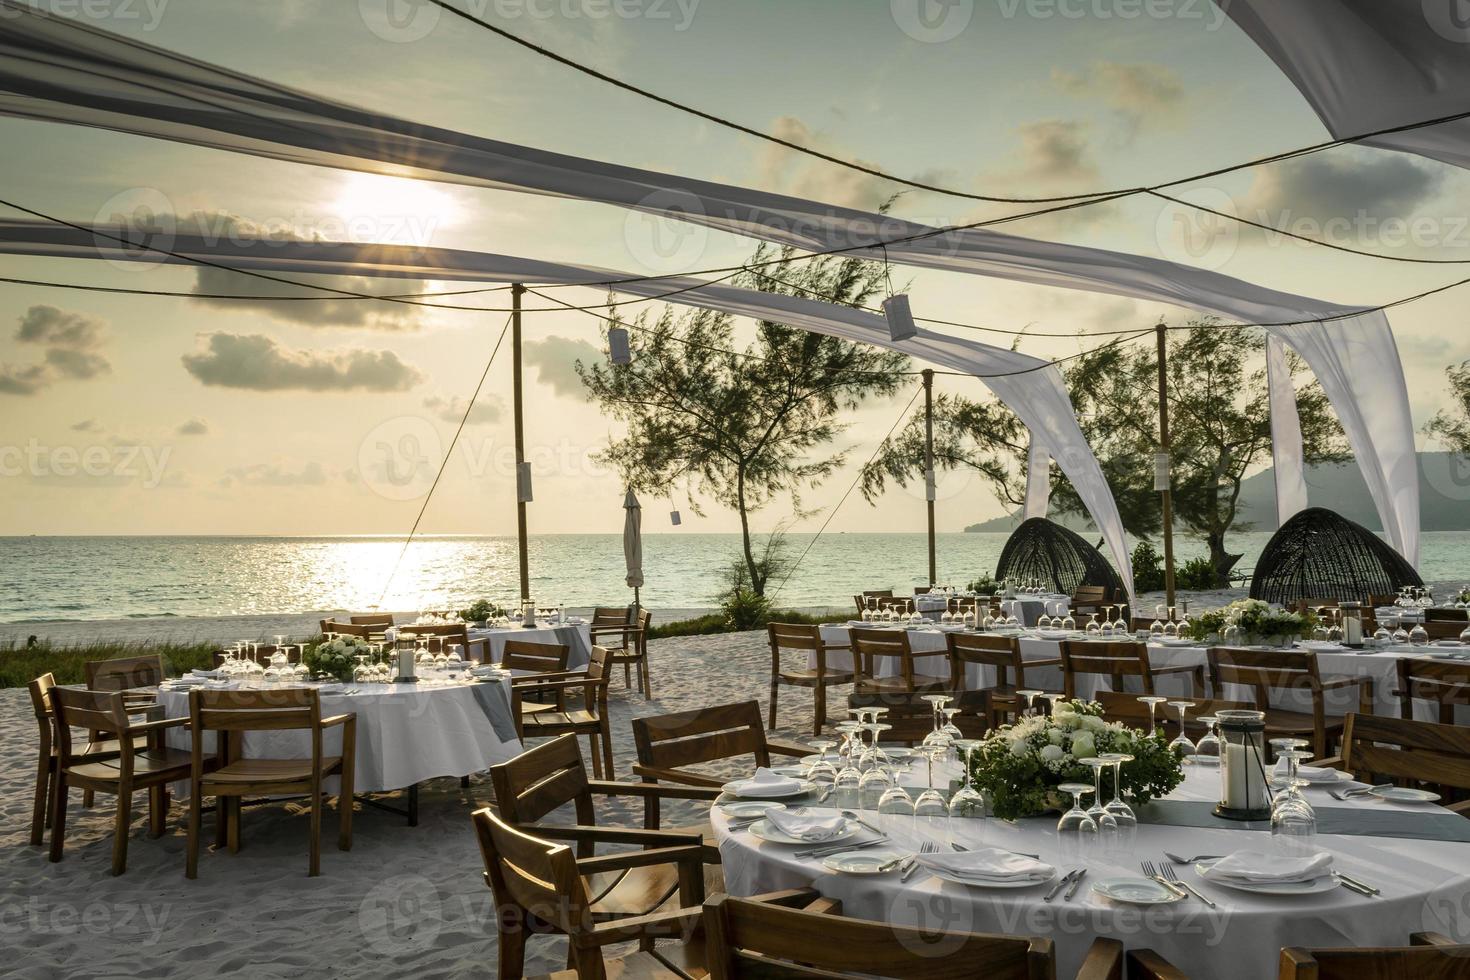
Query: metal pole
[(1161, 475), (515, 346), (929, 466)]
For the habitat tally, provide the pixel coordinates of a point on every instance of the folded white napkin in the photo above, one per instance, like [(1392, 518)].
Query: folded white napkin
[(207, 674), (487, 670), (1253, 867), (764, 783), (987, 864), (1308, 774), (806, 824)]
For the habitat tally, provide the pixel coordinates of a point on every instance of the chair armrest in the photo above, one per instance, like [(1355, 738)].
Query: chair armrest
[(613, 835), (782, 747), (551, 676), (1104, 961), (1462, 808), (141, 707), (678, 776), (567, 685), (824, 906), (1430, 939), (670, 924), (1329, 763), (652, 790), (1340, 682), (1049, 662), (144, 727), (1174, 669), (350, 718), (640, 859), (1145, 964), (791, 898)]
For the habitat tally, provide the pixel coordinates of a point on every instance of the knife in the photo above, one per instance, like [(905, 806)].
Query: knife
[(1353, 886), (1061, 882), (1357, 881), (1081, 873), (817, 852)]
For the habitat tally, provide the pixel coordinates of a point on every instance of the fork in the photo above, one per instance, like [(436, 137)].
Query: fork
[(1198, 857), (1173, 878), (928, 847), (1152, 873), (1348, 794)]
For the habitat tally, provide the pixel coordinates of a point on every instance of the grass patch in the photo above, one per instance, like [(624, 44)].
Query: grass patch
[(19, 664), (719, 623)]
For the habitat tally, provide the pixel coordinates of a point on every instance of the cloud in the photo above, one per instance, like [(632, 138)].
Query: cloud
[(1056, 151), (1324, 187), (257, 363), (72, 341), (275, 475), (194, 427), (488, 409), (553, 359), (801, 176), (1139, 92)]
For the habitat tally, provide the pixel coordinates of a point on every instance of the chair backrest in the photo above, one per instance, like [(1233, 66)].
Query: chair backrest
[(701, 735), (1126, 708), (533, 877), (98, 711), (1431, 957), (1312, 605), (360, 630), (1444, 682), (912, 717), (1375, 747), (792, 636), (41, 689), (1442, 629), (612, 616), (751, 939), (541, 779), (1116, 660), (1001, 652), (1440, 614), (1089, 595), (1381, 600), (923, 589), (233, 713), (124, 673), (1265, 671), (441, 636), (371, 619), (540, 658)]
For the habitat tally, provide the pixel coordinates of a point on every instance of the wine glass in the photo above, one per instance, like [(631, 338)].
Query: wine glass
[(1098, 814), (931, 809), (1069, 623), (1044, 620), (1094, 628), (967, 803), (895, 810), (1183, 628), (1156, 628), (1052, 697), (1207, 750), (1233, 635), (1075, 824), (822, 771), (1120, 811), (1293, 821), (1419, 636), (1181, 745), (1319, 632), (937, 738), (1153, 703), (846, 785), (1107, 628), (872, 785), (1171, 628)]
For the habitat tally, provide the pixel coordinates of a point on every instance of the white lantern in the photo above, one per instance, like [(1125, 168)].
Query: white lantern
[(619, 352), (900, 321)]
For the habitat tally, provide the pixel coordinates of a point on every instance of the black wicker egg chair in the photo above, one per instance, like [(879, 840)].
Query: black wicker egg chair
[(1319, 554), (1062, 559)]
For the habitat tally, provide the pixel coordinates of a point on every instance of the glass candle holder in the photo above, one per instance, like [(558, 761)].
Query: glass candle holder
[(1244, 794)]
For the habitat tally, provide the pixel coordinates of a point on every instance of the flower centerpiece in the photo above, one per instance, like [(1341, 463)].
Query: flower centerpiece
[(1259, 623), (984, 585), (1020, 766), (336, 657), (482, 611)]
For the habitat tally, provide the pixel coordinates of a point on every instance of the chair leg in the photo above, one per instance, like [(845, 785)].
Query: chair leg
[(344, 815), (628, 674), (643, 673), (232, 824), (191, 855), (40, 809), (316, 833), (512, 947), (592, 750), (58, 814), (821, 710), (221, 821), (607, 756), (88, 798), (775, 692), (120, 831), (157, 810)]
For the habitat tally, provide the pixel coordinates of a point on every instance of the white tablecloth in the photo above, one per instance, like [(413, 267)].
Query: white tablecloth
[(577, 637), (1424, 885), (406, 733)]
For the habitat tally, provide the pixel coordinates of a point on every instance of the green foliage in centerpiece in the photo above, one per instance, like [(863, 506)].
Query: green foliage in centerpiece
[(984, 585), (336, 658), (1020, 766), (1255, 619), (482, 610)]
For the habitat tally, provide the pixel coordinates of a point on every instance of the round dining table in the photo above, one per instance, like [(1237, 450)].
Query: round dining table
[(488, 642), (1424, 884)]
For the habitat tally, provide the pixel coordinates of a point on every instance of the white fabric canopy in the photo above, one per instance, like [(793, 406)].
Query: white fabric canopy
[(1038, 396), (1366, 65), (1291, 484), (1038, 481)]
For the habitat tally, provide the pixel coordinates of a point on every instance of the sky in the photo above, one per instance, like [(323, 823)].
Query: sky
[(159, 415)]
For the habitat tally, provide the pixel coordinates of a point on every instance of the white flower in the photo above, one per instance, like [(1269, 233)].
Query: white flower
[(1054, 736), (1083, 746), (1020, 748), (1052, 753)]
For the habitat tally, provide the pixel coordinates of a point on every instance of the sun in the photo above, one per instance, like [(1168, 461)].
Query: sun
[(393, 210)]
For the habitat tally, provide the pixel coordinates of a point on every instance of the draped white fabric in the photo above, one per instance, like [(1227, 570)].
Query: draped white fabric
[(1286, 440), (66, 71), (1038, 482), (1366, 65), (1037, 396)]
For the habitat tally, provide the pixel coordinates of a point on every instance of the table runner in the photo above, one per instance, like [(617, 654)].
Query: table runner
[(1431, 824)]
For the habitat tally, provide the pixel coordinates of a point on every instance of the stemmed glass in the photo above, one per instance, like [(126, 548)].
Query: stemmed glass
[(937, 738), (967, 802), (1334, 630), (1293, 821), (1156, 628), (1044, 620), (822, 771), (874, 756), (1094, 628), (1153, 703), (1052, 697), (1233, 635), (895, 809), (1181, 745), (1171, 628), (872, 785), (1183, 628), (1069, 623), (1099, 814), (931, 809), (1075, 827), (1207, 751), (1284, 747), (1419, 636), (1117, 808), (1106, 630)]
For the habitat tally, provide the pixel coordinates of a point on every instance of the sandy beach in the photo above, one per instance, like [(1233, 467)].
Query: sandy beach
[(405, 901)]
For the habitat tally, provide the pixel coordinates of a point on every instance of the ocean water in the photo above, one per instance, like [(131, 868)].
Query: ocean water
[(82, 578)]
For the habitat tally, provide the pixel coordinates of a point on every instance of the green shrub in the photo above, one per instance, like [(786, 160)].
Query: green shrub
[(19, 664), (984, 585), (1148, 568), (1197, 573), (745, 610)]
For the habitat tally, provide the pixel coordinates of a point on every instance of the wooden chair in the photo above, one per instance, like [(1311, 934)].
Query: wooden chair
[(359, 630), (634, 652), (1089, 599), (1287, 670), (1446, 683), (1429, 956), (125, 674), (229, 776), (371, 619), (1440, 614), (750, 940), (151, 769), (1442, 629), (1377, 748), (550, 776), (873, 647), (1119, 660), (443, 636), (668, 744), (591, 719), (1126, 708), (861, 599), (612, 627), (804, 641), (95, 750), (534, 657), (1001, 653), (912, 717)]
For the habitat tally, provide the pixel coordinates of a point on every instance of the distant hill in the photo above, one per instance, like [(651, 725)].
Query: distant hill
[(1444, 497)]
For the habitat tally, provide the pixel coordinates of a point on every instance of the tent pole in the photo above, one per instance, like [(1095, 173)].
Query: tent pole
[(928, 374), (1161, 475), (520, 435)]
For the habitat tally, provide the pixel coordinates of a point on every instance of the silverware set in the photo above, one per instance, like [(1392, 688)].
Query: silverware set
[(1072, 880), (928, 847), (1355, 885), (1348, 794), (1170, 877)]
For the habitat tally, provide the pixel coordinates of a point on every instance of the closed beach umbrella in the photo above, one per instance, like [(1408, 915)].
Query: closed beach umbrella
[(633, 542)]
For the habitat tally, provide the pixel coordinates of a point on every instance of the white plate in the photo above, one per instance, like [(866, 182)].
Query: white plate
[(1054, 634), (870, 862), (1135, 891), (1321, 646), (1278, 779), (747, 809), (804, 786), (1176, 641), (989, 883), (1404, 794), (762, 830), (795, 772), (897, 752), (1314, 887)]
